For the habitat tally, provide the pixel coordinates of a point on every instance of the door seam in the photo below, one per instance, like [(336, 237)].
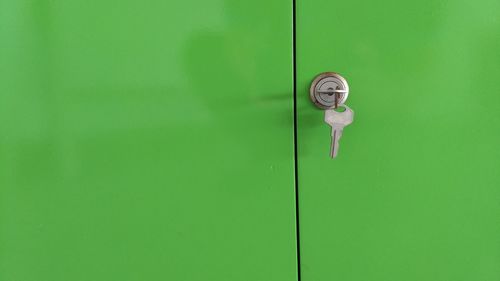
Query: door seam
[(295, 158)]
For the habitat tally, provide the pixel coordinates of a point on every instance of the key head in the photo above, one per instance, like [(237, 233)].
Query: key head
[(339, 118)]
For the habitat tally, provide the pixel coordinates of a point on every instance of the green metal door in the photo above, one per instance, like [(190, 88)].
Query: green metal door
[(415, 191), (146, 140)]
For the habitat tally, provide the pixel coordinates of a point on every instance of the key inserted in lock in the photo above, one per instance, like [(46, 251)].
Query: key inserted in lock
[(328, 90)]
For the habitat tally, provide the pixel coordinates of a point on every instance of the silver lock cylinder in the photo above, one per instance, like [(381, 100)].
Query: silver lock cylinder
[(328, 90)]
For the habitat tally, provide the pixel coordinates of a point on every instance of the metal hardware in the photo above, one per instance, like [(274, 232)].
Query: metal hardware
[(328, 90), (338, 120)]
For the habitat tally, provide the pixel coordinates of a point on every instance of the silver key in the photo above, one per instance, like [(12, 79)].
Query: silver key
[(338, 120)]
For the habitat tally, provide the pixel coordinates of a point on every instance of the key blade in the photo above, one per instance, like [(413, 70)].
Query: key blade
[(334, 147)]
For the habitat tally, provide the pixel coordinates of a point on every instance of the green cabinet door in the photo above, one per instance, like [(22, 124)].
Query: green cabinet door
[(415, 191), (146, 140)]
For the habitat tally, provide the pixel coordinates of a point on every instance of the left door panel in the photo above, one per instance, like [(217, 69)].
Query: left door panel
[(146, 140)]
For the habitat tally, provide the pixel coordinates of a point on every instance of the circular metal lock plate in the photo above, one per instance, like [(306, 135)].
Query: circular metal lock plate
[(324, 87)]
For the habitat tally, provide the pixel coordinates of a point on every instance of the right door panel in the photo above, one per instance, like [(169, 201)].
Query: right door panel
[(415, 191)]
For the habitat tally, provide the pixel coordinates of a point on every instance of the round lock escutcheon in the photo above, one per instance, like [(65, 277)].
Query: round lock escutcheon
[(328, 90)]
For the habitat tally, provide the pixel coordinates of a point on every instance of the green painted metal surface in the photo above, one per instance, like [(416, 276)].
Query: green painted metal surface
[(146, 140), (414, 193)]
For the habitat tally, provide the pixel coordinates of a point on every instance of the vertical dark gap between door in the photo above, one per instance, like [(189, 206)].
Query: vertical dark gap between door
[(296, 170)]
